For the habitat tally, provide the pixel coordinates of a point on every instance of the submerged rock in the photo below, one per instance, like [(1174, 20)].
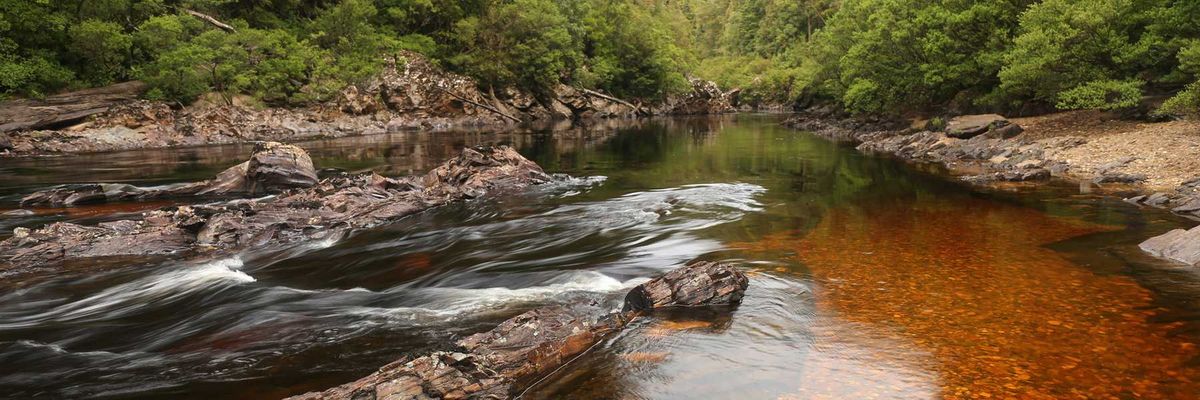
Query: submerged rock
[(504, 361), (329, 208), (1178, 245)]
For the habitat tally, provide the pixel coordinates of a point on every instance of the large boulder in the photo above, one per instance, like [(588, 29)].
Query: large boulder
[(1178, 245), (969, 126)]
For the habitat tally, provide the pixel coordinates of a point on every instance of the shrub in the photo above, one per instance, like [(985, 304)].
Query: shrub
[(1101, 94)]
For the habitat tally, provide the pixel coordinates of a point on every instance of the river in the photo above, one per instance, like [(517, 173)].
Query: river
[(869, 278)]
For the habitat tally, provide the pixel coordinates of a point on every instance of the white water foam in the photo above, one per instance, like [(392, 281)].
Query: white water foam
[(130, 297)]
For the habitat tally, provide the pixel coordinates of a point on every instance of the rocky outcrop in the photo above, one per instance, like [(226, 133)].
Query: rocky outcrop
[(273, 168), (328, 209), (1184, 200), (1179, 245), (411, 92), (502, 362), (704, 98), (969, 126)]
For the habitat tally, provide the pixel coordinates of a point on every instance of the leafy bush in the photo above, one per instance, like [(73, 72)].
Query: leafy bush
[(1102, 94), (104, 47)]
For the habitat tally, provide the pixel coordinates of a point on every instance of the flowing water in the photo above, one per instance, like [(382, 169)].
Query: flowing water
[(869, 278)]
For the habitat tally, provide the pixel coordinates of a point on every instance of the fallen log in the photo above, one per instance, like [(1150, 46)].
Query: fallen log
[(327, 209), (635, 108), (503, 362), (209, 19), (65, 108), (480, 105)]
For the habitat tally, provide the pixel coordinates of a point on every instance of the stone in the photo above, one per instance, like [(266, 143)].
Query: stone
[(1157, 199), (1177, 245), (275, 167), (969, 126), (1119, 177), (1192, 205), (5, 143), (701, 283)]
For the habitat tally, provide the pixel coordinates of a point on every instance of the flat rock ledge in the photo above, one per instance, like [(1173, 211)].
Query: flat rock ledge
[(1178, 245), (503, 362), (312, 211)]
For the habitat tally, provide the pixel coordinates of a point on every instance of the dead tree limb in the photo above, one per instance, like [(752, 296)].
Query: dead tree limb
[(613, 99), (208, 18), (481, 105)]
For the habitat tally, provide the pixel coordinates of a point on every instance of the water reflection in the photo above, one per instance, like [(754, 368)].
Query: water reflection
[(870, 279)]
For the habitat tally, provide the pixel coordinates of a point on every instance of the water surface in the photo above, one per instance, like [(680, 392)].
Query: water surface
[(869, 278)]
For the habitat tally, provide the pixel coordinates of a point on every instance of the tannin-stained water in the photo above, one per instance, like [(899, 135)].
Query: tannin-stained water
[(869, 278)]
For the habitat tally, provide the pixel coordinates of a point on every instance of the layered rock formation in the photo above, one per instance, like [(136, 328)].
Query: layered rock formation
[(502, 362), (314, 210)]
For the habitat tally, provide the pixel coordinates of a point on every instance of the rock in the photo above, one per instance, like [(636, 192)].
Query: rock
[(969, 126), (330, 208), (5, 143), (1178, 245), (701, 283), (275, 167), (503, 362), (1157, 199), (1191, 205), (1119, 177), (704, 98)]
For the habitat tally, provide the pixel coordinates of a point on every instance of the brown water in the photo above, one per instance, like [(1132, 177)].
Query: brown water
[(869, 279)]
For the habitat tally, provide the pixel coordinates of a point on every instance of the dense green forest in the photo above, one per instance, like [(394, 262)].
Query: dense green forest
[(869, 56)]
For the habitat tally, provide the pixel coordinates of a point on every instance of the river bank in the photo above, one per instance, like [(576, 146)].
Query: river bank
[(411, 93), (1160, 161)]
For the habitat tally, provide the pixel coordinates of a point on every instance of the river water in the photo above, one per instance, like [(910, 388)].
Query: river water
[(869, 278)]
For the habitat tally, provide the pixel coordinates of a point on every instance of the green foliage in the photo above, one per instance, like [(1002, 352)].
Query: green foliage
[(625, 52), (1102, 94), (524, 43)]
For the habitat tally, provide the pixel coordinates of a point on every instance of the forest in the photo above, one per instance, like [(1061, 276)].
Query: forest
[(875, 57)]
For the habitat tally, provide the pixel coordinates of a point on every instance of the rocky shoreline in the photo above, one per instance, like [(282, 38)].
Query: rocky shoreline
[(987, 149), (503, 362), (411, 93)]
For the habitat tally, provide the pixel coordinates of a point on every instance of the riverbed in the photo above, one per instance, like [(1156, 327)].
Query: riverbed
[(869, 277)]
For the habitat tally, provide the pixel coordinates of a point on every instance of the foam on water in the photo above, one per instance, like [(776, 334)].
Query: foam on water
[(131, 297)]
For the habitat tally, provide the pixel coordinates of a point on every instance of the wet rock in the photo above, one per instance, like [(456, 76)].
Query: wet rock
[(275, 167), (701, 283), (969, 126), (504, 361), (1178, 245), (328, 209)]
